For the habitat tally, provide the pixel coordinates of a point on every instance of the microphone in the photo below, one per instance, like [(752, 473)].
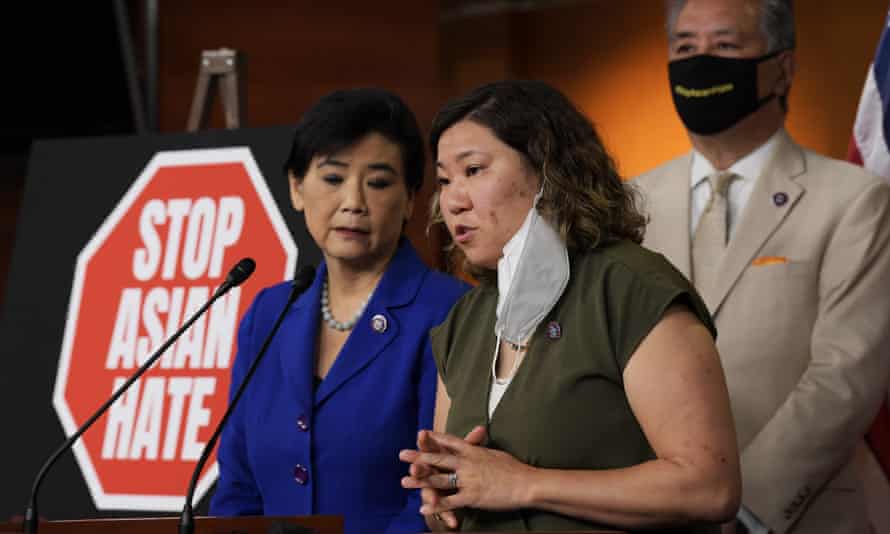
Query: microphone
[(239, 273), (301, 281)]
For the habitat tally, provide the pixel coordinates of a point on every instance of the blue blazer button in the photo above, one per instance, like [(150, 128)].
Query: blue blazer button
[(301, 475)]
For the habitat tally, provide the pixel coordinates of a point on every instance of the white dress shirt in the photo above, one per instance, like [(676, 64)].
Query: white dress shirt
[(748, 169)]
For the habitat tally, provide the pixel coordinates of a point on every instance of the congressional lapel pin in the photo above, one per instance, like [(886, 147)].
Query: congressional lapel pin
[(554, 331), (779, 199), (378, 323)]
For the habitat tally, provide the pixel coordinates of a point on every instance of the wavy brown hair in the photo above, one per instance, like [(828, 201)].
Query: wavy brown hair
[(584, 197)]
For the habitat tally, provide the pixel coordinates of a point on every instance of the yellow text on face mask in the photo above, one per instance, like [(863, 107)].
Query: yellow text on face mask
[(703, 93)]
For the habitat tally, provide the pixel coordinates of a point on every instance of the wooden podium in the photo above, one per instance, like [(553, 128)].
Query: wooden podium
[(322, 524)]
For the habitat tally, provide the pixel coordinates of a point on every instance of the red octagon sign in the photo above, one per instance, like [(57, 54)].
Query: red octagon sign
[(188, 218)]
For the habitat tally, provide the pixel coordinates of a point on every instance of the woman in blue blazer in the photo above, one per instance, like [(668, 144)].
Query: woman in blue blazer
[(349, 379)]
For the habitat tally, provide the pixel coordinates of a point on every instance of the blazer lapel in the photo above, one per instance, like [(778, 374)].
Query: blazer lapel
[(762, 215), (298, 334), (397, 288), (669, 207)]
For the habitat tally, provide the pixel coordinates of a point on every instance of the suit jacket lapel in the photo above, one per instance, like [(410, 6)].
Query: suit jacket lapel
[(669, 209), (397, 288), (297, 345), (761, 217)]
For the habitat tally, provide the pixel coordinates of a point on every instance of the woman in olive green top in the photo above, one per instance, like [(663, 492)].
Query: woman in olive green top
[(579, 383)]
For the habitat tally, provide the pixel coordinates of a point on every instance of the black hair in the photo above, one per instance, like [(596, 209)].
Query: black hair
[(344, 117), (583, 195)]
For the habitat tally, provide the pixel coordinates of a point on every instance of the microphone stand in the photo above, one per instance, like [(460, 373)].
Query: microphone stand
[(236, 276), (301, 281)]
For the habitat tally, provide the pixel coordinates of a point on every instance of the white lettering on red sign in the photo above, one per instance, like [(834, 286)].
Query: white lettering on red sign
[(156, 260), (135, 426), (136, 429), (210, 229)]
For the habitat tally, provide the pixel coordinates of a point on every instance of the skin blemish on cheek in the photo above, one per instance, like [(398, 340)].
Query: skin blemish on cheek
[(493, 215)]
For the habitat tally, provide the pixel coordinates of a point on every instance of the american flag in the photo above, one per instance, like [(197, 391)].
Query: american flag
[(869, 148)]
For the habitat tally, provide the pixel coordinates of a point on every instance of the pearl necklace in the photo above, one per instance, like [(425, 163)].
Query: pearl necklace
[(329, 317)]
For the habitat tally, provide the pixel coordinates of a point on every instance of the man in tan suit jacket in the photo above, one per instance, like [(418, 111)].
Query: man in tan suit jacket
[(799, 288)]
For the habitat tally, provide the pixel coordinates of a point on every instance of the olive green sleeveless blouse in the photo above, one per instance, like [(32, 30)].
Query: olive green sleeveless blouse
[(565, 407)]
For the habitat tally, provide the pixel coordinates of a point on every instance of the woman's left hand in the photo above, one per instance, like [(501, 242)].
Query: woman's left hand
[(485, 478)]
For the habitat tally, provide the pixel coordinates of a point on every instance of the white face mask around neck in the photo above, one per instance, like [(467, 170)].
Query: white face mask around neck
[(532, 275)]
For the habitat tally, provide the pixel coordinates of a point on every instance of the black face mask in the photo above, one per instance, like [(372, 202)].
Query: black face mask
[(713, 93)]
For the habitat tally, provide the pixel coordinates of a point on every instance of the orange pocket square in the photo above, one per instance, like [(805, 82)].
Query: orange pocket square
[(769, 260)]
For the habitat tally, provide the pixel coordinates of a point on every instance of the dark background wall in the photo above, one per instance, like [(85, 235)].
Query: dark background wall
[(66, 75), (610, 58), (298, 51), (62, 77)]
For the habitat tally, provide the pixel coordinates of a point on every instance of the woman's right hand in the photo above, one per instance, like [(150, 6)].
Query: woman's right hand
[(447, 520)]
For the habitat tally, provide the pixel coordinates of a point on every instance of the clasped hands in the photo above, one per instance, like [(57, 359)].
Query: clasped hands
[(485, 478)]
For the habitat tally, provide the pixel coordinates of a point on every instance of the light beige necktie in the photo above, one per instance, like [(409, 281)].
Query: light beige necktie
[(711, 234)]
